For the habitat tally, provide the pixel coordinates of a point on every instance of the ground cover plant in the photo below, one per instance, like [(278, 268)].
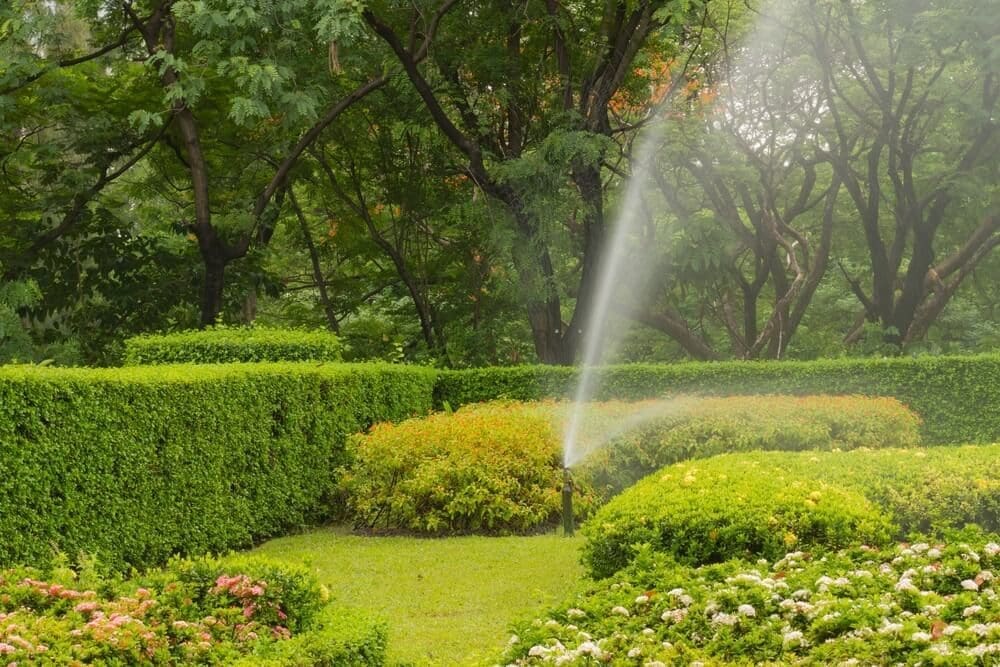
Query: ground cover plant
[(745, 505), (444, 601), (204, 611), (928, 602)]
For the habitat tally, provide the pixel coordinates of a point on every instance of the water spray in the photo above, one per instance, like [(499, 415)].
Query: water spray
[(567, 498)]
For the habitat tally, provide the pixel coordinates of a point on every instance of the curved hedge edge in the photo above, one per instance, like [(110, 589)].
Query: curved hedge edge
[(342, 636)]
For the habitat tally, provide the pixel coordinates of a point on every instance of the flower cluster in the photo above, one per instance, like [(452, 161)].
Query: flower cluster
[(923, 602), (171, 617)]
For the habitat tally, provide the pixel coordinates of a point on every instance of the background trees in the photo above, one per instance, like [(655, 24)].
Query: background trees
[(436, 180)]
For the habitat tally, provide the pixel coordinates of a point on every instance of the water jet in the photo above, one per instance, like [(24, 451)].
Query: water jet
[(567, 503)]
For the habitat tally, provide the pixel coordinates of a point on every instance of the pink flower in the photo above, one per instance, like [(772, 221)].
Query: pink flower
[(6, 648), (85, 607)]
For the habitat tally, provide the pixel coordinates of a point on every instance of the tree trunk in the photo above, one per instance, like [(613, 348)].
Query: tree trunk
[(212, 290)]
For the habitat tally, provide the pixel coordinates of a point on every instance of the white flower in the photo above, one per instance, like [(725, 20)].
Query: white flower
[(590, 648), (747, 610), (649, 632), (576, 613), (920, 637), (622, 611), (674, 615), (722, 618), (985, 575), (907, 585), (792, 637), (642, 599), (992, 549), (920, 547), (513, 640), (979, 629), (655, 663), (538, 651), (970, 585), (949, 630), (634, 652), (971, 610), (933, 552), (890, 628), (552, 623), (686, 600)]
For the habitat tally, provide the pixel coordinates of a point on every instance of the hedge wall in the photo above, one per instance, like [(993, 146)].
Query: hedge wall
[(957, 397), (222, 345), (136, 464)]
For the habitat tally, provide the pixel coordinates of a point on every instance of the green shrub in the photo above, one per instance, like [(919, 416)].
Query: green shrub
[(221, 345), (657, 433), (936, 388), (495, 468), (137, 464), (196, 612), (747, 504), (715, 510), (925, 603)]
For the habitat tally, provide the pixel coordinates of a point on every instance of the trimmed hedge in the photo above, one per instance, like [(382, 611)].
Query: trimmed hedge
[(222, 345), (958, 397), (137, 464), (760, 504)]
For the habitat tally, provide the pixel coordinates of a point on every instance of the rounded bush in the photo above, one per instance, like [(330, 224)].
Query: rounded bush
[(724, 508), (494, 468), (223, 345), (932, 490)]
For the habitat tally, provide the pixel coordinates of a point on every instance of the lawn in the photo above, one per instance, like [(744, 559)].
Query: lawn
[(447, 601)]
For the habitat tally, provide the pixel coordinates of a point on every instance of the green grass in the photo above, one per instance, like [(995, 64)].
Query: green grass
[(447, 601)]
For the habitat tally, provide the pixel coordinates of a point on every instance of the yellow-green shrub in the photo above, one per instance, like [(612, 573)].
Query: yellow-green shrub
[(685, 428), (494, 468)]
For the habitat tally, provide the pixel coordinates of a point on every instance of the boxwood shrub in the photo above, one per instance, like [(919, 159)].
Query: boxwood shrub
[(137, 464), (759, 504), (220, 345), (957, 397), (192, 612)]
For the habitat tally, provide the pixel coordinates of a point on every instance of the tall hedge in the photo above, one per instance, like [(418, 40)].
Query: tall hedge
[(223, 345), (958, 397), (136, 464)]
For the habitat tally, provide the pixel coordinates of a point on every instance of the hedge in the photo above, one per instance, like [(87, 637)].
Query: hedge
[(761, 504), (136, 464), (958, 397), (221, 345)]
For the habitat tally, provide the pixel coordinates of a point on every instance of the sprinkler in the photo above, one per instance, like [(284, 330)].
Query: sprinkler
[(567, 498)]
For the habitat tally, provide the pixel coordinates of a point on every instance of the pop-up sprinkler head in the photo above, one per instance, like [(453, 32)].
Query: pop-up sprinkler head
[(567, 502)]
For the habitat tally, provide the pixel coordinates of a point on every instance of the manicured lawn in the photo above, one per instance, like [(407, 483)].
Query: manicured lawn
[(447, 601)]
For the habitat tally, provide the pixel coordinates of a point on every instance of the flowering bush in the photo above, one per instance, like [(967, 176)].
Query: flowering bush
[(495, 468), (927, 602), (192, 612)]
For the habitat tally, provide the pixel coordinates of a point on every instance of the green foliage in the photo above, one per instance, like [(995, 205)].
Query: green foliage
[(923, 603), (15, 342), (140, 463), (632, 440), (222, 345), (719, 509), (490, 469), (938, 389), (201, 611), (748, 504)]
